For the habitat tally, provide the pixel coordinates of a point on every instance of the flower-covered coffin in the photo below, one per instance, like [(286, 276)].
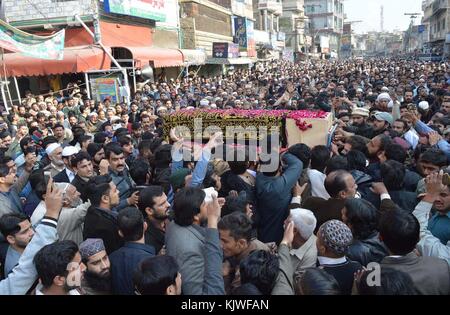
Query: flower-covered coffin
[(309, 127)]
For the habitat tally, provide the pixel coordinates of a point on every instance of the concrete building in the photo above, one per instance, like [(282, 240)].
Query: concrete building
[(267, 14), (326, 25), (437, 18), (132, 40), (383, 44), (293, 23)]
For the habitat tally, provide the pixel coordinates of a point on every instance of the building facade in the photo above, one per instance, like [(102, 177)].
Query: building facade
[(326, 25), (293, 22), (437, 19), (129, 38), (267, 14)]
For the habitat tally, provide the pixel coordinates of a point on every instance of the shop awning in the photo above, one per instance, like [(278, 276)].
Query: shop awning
[(230, 61), (193, 57), (76, 59), (161, 57)]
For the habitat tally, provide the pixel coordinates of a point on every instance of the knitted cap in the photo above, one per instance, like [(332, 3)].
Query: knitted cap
[(90, 247), (336, 236)]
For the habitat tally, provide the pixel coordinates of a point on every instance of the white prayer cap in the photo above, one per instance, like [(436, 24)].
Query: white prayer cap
[(424, 105), (304, 221), (52, 147), (69, 151)]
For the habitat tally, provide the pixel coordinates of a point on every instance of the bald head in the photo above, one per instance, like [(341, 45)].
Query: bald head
[(340, 185)]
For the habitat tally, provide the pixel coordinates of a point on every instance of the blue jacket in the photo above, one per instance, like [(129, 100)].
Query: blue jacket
[(442, 144), (20, 280), (273, 196), (124, 262)]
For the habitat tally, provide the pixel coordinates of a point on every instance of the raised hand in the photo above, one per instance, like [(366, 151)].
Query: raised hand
[(53, 200), (379, 188), (288, 236)]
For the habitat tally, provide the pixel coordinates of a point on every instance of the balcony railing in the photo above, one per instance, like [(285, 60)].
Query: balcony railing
[(439, 5), (293, 5)]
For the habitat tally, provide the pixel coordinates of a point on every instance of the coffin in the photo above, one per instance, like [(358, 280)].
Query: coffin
[(309, 127)]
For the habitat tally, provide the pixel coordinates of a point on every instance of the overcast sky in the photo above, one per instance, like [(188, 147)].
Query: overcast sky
[(369, 12)]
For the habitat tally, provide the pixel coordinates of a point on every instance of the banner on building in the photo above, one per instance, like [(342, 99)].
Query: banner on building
[(244, 35), (146, 9), (172, 11), (325, 44), (288, 54), (42, 47), (225, 50), (346, 42), (251, 42), (105, 88), (240, 32)]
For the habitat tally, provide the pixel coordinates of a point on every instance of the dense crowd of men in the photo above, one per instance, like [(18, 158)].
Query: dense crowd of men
[(92, 201)]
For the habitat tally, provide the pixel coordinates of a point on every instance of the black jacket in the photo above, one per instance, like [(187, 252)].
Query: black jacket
[(365, 131), (363, 180), (409, 182), (80, 185), (232, 181), (102, 224), (61, 177), (406, 200), (368, 250), (344, 274)]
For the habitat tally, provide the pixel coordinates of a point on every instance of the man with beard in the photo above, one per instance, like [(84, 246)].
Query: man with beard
[(408, 97), (18, 232), (97, 277), (54, 153), (71, 218), (382, 121), (59, 268), (154, 206), (359, 125), (97, 154)]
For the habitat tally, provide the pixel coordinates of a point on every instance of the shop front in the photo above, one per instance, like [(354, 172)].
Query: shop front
[(93, 65)]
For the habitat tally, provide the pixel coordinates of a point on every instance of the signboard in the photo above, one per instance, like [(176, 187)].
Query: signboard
[(346, 42), (103, 88), (225, 50), (244, 35), (251, 42), (288, 54), (42, 47), (324, 42), (146, 9), (172, 11), (233, 50), (421, 29), (240, 32), (281, 36)]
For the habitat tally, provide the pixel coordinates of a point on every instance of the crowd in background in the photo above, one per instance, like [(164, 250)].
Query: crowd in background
[(91, 190)]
